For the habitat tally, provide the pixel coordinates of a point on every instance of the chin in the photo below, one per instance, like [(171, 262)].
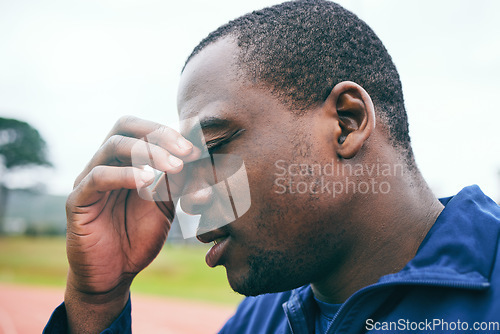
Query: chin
[(251, 287), (262, 277)]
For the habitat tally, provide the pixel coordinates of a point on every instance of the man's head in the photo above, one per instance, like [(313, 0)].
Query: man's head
[(281, 87), (302, 49)]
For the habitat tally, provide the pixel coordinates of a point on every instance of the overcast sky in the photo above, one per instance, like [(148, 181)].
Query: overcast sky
[(71, 68)]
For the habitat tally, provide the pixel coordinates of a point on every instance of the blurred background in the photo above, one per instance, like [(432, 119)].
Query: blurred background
[(70, 69)]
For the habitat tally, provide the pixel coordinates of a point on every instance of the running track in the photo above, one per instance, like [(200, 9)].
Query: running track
[(26, 309)]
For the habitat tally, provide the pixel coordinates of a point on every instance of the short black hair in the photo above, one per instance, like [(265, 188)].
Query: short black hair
[(301, 49)]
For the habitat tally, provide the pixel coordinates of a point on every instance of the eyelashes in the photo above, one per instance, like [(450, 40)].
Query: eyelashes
[(216, 144)]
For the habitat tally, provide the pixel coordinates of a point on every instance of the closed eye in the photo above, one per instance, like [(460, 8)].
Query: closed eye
[(216, 144)]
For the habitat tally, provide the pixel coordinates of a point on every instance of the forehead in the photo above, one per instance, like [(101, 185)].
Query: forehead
[(213, 86), (210, 81)]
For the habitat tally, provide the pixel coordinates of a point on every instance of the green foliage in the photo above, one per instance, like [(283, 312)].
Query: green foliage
[(21, 144)]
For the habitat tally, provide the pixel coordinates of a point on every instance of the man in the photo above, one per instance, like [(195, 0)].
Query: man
[(343, 234)]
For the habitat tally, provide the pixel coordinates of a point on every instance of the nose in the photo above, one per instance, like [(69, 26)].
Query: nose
[(197, 194), (197, 200)]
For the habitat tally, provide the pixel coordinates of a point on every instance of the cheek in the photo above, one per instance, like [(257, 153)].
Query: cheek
[(277, 221), (279, 217), (275, 208)]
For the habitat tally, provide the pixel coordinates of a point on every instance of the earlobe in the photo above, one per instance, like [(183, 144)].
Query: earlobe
[(354, 110)]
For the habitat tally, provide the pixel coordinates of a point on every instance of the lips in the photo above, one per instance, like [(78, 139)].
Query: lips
[(216, 253)]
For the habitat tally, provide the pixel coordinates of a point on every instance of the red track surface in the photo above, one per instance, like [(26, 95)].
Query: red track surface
[(26, 309)]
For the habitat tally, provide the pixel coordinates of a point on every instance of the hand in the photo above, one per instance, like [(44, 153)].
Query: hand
[(113, 233)]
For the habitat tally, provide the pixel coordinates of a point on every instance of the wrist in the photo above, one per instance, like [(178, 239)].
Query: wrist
[(102, 295), (90, 312)]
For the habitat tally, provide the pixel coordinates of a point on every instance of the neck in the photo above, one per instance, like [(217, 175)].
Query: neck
[(389, 231)]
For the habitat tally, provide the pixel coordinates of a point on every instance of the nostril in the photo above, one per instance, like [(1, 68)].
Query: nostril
[(194, 202)]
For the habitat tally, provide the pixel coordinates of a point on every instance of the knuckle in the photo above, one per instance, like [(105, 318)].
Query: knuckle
[(167, 132), (96, 174), (116, 150), (125, 121), (115, 142)]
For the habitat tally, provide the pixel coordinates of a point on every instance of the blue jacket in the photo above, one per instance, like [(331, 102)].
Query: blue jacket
[(452, 285), (455, 276)]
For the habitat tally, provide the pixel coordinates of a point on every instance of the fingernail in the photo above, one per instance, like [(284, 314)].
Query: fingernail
[(174, 161), (184, 144)]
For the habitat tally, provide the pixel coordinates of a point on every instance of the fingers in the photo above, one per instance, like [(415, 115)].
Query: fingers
[(163, 197), (126, 151), (168, 187), (157, 134), (136, 142), (102, 179), (123, 151)]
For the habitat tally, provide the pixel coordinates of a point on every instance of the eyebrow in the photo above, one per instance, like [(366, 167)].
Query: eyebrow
[(214, 122)]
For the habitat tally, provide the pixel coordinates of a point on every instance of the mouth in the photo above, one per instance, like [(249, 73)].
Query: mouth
[(216, 241), (215, 255)]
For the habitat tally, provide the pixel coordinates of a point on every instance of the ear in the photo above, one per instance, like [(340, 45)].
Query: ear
[(352, 106)]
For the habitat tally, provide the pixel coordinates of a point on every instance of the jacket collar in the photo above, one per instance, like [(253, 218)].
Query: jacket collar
[(458, 251), (462, 244)]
